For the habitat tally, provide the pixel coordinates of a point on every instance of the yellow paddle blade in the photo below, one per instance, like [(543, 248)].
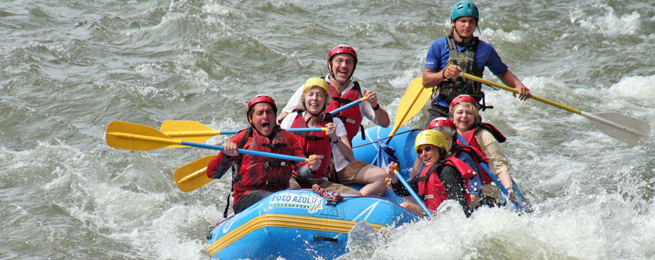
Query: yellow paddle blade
[(414, 99), (193, 175), (124, 135), (189, 131)]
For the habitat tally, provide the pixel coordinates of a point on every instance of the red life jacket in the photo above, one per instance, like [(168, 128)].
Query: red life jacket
[(433, 190), (469, 137), (479, 158), (317, 143), (352, 117), (263, 173)]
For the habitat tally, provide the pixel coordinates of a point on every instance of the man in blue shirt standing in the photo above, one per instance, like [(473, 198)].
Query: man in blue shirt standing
[(458, 52)]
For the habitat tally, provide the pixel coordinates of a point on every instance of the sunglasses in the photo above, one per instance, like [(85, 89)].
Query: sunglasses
[(427, 149)]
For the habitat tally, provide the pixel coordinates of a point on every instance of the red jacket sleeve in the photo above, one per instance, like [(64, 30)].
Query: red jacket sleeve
[(296, 148), (219, 165)]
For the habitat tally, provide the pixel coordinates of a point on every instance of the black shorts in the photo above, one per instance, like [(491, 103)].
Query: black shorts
[(249, 199), (437, 111)]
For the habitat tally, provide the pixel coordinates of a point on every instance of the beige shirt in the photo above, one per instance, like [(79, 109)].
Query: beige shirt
[(491, 148)]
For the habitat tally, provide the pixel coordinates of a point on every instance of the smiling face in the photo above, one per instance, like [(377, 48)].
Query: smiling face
[(428, 157), (465, 26), (464, 115), (314, 100), (342, 66), (263, 118)]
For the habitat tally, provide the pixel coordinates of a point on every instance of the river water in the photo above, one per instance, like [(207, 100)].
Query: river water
[(71, 67)]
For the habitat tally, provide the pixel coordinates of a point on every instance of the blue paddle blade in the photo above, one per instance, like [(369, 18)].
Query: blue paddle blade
[(386, 154)]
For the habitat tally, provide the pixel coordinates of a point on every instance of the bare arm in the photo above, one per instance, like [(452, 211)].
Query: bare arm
[(506, 180), (293, 104), (433, 78), (343, 144), (511, 80), (381, 117), (345, 148)]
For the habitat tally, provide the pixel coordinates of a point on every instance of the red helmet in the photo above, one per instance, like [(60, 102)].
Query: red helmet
[(463, 98), (262, 98), (442, 121), (343, 49), (339, 50)]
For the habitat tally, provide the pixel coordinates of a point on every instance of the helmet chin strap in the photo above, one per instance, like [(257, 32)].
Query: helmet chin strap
[(464, 40), (318, 116), (260, 133), (468, 39), (335, 78)]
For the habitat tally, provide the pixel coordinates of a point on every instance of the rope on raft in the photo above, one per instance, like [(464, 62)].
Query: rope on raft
[(331, 197)]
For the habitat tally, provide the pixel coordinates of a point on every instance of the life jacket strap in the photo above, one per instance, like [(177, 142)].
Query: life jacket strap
[(274, 163)]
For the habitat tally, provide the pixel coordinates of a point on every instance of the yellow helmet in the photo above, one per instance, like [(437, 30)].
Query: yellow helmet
[(316, 82), (432, 137)]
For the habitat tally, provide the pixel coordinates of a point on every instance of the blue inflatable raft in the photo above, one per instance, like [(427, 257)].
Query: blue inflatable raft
[(301, 224)]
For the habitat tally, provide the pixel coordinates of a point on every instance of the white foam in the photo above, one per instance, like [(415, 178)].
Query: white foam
[(499, 34), (637, 87), (609, 23)]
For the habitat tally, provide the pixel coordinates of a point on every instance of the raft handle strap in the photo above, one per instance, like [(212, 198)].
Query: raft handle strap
[(331, 198)]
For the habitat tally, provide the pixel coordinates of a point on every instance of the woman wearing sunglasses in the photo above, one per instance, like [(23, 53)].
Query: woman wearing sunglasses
[(441, 179)]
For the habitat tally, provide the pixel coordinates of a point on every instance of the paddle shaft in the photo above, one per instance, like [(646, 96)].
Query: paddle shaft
[(207, 146), (572, 110), (414, 195), (346, 106), (231, 132), (193, 175), (203, 133), (518, 204), (510, 89)]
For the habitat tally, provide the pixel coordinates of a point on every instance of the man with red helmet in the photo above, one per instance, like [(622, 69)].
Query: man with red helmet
[(341, 63), (458, 52), (255, 177)]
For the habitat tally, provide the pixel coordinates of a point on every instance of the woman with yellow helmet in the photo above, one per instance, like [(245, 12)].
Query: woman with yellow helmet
[(314, 99), (441, 179)]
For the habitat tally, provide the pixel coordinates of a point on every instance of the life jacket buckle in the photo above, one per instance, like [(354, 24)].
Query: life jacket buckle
[(271, 182), (273, 163)]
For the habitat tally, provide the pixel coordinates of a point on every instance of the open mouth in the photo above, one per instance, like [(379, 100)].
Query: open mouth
[(427, 159)]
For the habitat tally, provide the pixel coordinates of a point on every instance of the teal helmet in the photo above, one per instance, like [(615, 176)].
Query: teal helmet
[(465, 9)]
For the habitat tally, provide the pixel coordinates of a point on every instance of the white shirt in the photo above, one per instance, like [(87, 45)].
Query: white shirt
[(339, 161), (364, 107)]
